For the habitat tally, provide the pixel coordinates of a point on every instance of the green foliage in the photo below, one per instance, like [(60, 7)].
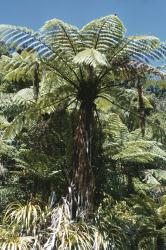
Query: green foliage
[(28, 217), (68, 234), (141, 151), (10, 194), (10, 240)]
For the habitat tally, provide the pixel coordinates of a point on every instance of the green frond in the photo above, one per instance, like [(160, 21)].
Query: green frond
[(103, 33), (160, 174), (62, 37), (39, 164), (6, 100), (91, 57), (51, 83), (3, 121), (153, 41), (6, 149), (24, 119), (156, 83), (141, 151), (23, 97), (162, 212), (103, 104), (19, 67), (141, 50), (115, 128), (23, 38), (150, 178), (46, 103)]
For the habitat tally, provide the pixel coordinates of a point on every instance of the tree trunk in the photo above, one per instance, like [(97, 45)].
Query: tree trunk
[(36, 82), (130, 185), (83, 180), (160, 242), (160, 245), (141, 108)]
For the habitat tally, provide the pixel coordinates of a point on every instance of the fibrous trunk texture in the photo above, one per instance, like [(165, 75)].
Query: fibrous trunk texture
[(36, 82), (141, 108), (83, 180)]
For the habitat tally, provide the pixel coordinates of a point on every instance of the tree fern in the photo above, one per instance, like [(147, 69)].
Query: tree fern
[(141, 151), (91, 63)]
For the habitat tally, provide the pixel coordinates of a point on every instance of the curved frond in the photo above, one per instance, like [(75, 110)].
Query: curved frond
[(62, 37), (141, 48), (23, 97), (143, 68), (141, 151), (103, 33), (24, 38), (19, 66), (46, 103), (91, 57)]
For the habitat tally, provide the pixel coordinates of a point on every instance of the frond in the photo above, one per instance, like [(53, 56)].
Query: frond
[(23, 98), (51, 83), (142, 49), (91, 57), (155, 83), (19, 66), (24, 119), (63, 38), (115, 128), (143, 68), (7, 149), (152, 40), (154, 177), (116, 132), (103, 33), (141, 151), (3, 121), (6, 100), (24, 38), (162, 213), (46, 103)]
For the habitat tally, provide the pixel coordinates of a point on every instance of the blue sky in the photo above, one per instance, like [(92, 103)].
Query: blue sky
[(139, 16)]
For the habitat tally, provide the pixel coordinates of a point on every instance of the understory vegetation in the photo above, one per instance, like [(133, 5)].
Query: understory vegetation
[(82, 138)]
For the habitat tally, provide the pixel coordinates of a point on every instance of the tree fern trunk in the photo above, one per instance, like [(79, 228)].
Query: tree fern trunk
[(36, 82), (130, 185), (160, 242), (83, 177), (141, 108)]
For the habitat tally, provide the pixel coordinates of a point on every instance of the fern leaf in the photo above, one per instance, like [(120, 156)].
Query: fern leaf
[(141, 151), (142, 68), (23, 38), (91, 57), (62, 37), (103, 33)]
